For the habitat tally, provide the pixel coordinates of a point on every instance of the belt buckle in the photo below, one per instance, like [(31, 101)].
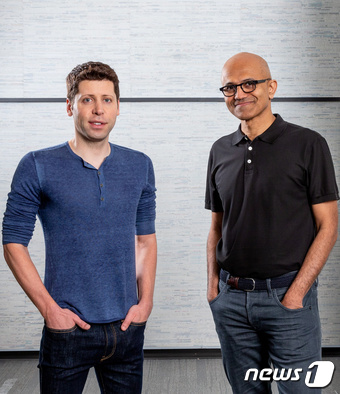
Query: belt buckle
[(253, 285)]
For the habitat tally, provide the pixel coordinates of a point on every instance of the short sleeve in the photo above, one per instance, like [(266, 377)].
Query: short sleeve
[(146, 211), (322, 185), (212, 197), (23, 204)]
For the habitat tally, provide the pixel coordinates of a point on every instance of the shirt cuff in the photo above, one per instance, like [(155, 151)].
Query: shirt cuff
[(145, 228)]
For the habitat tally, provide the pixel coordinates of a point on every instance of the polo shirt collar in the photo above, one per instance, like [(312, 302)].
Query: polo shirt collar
[(270, 135), (274, 131), (238, 136)]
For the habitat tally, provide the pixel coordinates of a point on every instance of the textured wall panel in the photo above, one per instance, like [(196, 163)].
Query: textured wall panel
[(163, 49), (177, 137), (172, 48)]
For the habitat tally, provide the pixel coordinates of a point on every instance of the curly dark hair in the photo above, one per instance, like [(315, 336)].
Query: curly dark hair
[(93, 71)]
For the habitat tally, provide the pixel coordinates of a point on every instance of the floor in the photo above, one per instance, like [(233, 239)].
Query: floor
[(161, 376)]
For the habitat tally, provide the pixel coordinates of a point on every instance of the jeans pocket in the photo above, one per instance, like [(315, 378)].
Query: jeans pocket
[(138, 324), (306, 302), (222, 285), (59, 348), (66, 331), (133, 338)]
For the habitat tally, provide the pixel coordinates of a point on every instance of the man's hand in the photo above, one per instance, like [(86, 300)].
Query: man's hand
[(136, 314), (19, 261), (294, 303), (64, 319), (212, 293), (326, 220)]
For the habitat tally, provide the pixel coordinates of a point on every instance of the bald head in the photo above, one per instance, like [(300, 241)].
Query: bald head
[(248, 63), (252, 107)]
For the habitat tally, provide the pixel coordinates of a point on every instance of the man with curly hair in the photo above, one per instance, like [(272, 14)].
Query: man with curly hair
[(96, 204)]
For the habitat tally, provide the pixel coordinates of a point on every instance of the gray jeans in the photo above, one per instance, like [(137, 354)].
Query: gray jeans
[(257, 332)]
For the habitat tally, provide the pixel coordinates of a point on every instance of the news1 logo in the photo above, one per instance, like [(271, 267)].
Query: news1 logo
[(323, 376), (318, 375)]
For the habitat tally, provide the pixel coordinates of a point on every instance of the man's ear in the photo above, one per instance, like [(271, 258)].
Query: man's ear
[(272, 88), (69, 107)]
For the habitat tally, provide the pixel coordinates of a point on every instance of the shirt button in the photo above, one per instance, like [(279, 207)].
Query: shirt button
[(250, 148), (102, 198), (249, 161), (98, 172), (101, 185)]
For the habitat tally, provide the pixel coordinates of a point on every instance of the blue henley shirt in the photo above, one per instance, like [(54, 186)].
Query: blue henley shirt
[(89, 218)]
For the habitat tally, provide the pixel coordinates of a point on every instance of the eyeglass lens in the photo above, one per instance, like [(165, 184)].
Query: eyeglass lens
[(247, 87)]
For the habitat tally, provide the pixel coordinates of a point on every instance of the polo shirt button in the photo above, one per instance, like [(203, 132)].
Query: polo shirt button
[(101, 185), (250, 148), (102, 198), (249, 161)]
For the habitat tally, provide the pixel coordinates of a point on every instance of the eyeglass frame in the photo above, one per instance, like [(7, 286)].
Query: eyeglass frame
[(256, 82)]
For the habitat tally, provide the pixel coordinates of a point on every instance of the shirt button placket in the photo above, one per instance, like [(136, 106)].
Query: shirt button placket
[(101, 187), (249, 158)]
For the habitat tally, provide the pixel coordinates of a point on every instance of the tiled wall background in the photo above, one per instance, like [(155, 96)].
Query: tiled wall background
[(170, 49)]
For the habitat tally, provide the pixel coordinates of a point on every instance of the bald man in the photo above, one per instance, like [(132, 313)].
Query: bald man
[(272, 192)]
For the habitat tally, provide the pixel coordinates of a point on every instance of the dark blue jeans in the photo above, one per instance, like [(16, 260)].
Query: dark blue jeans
[(256, 330), (117, 356)]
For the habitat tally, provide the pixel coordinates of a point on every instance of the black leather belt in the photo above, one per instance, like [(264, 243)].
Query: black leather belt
[(250, 284)]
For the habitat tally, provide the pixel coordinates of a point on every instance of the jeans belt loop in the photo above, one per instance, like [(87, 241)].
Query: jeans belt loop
[(233, 281)]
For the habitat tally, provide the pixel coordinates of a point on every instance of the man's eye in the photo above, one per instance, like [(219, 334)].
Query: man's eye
[(108, 100), (86, 100), (249, 84), (229, 88)]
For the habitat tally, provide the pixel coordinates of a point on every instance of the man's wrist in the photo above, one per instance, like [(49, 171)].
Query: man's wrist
[(146, 305), (50, 309)]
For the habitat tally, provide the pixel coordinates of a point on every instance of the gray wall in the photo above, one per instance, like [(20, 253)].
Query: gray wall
[(169, 49)]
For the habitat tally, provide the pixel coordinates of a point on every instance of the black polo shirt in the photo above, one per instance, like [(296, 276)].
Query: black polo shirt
[(265, 188)]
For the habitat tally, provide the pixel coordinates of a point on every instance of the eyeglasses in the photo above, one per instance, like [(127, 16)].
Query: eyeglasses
[(230, 90)]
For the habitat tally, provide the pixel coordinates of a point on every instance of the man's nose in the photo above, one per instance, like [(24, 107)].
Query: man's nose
[(98, 108), (240, 93)]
